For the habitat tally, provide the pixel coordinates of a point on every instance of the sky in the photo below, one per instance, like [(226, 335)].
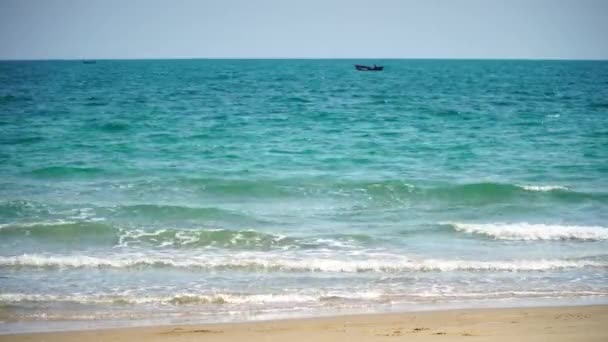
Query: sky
[(100, 29)]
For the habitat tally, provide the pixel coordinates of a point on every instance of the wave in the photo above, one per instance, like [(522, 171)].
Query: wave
[(381, 192), (66, 231), (528, 231), (282, 263), (389, 191), (485, 191), (177, 299), (102, 233), (169, 212), (543, 188), (221, 238), (21, 208), (492, 192), (55, 172), (275, 299), (61, 231), (239, 187)]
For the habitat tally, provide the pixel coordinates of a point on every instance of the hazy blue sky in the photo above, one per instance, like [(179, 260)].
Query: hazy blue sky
[(48, 29)]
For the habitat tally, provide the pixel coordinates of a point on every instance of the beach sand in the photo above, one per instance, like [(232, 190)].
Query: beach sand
[(579, 323)]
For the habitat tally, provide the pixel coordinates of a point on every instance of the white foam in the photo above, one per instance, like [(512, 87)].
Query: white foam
[(542, 188), (333, 243), (37, 224), (528, 231), (281, 299), (166, 244), (253, 262), (186, 238), (130, 237), (178, 237), (177, 299), (507, 294)]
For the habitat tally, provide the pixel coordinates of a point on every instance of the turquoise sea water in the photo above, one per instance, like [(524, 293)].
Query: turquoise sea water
[(222, 190)]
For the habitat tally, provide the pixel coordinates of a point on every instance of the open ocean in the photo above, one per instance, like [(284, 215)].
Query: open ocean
[(163, 191)]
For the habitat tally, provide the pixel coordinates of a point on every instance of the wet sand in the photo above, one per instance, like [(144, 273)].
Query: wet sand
[(578, 323)]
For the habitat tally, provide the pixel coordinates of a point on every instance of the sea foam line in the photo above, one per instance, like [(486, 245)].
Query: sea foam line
[(194, 298), (529, 231), (177, 299), (293, 263), (36, 224), (542, 188)]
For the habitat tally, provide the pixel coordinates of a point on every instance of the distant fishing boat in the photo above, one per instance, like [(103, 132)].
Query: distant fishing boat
[(89, 62), (368, 68)]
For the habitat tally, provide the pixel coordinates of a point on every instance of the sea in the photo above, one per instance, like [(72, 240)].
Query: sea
[(137, 192)]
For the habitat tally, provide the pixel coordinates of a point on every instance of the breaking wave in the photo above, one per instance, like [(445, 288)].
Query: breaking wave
[(258, 262), (102, 233), (528, 231), (177, 299), (543, 188)]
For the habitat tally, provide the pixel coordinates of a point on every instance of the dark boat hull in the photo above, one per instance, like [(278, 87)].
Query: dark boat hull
[(368, 68)]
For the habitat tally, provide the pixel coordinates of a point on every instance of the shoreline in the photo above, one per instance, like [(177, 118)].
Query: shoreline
[(69, 325), (559, 323)]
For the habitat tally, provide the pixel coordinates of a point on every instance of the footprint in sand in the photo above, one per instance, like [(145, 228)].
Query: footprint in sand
[(182, 331), (207, 331)]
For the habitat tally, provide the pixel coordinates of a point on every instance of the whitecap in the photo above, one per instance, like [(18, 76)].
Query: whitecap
[(529, 231), (542, 188), (251, 262)]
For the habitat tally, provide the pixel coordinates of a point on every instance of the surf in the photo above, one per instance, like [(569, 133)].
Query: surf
[(533, 231), (255, 262)]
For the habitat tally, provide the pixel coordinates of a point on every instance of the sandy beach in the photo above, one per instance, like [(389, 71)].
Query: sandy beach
[(303, 171), (583, 323)]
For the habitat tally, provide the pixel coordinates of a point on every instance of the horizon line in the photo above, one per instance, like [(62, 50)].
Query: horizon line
[(304, 58)]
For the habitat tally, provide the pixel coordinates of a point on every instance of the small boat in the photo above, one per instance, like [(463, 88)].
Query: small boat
[(368, 68), (89, 61)]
